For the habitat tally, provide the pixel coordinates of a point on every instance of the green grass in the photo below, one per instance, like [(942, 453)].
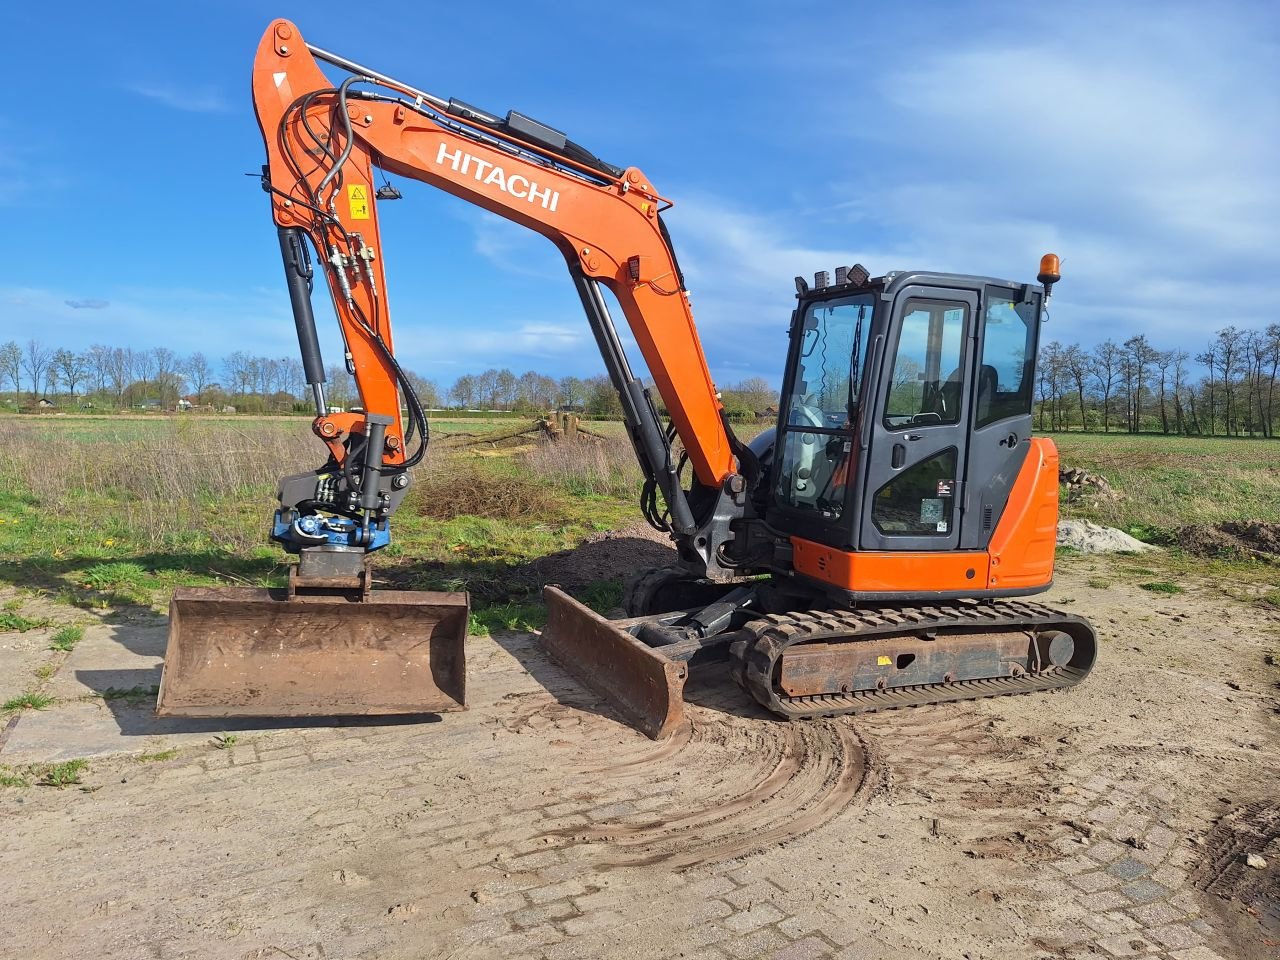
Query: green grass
[(66, 638), (158, 757), (30, 700), (1168, 482), (16, 623), (62, 774), (602, 596), (9, 777), (195, 517), (1161, 586), (508, 616), (146, 505)]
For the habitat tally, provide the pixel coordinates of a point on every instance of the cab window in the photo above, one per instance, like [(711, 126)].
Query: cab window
[(926, 386), (1008, 349)]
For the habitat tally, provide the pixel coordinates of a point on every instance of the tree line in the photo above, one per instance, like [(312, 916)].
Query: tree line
[(1228, 388), (123, 378)]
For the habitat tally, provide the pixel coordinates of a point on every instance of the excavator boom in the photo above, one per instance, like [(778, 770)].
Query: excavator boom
[(324, 143)]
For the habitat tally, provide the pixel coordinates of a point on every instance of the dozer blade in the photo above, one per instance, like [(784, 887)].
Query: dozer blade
[(644, 686), (248, 652)]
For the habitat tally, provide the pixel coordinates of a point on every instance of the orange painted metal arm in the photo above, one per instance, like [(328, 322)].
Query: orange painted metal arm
[(606, 226)]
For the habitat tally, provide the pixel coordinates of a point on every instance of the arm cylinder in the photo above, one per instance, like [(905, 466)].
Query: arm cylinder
[(297, 275)]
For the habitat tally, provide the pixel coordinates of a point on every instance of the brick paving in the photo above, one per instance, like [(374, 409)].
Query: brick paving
[(535, 826)]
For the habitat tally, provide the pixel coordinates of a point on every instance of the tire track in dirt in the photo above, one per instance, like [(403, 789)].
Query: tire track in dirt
[(738, 786), (1224, 871)]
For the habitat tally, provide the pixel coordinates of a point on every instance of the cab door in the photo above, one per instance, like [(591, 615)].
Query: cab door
[(913, 492), (1003, 381)]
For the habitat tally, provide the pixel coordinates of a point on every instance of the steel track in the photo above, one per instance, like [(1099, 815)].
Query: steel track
[(756, 658)]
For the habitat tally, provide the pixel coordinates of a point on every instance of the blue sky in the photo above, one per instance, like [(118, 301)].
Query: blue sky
[(1140, 141)]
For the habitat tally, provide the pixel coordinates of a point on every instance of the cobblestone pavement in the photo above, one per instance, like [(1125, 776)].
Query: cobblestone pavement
[(533, 825)]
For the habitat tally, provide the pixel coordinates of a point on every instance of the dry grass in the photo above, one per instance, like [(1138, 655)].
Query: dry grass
[(454, 487), (163, 479), (172, 460), (604, 468)]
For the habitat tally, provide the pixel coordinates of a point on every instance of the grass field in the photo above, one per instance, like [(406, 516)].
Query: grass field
[(110, 511), (1169, 482)]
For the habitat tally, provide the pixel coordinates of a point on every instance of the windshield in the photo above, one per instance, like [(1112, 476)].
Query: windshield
[(815, 451), (833, 356)]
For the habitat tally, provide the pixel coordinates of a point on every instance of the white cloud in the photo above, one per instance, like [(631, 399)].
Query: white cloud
[(1139, 142), (191, 99)]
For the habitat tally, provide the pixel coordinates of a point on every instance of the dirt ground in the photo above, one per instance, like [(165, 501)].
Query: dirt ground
[(1112, 820)]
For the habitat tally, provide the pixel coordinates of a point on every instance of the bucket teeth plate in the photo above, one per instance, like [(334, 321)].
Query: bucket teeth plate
[(249, 652), (643, 686)]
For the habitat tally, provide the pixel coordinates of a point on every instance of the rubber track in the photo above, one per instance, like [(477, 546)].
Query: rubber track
[(755, 658)]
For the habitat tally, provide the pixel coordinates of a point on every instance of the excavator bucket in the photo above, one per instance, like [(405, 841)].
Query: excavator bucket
[(249, 652), (645, 687)]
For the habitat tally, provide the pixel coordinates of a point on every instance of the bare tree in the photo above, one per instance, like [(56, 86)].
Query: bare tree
[(341, 390), (1179, 361), (464, 392), (144, 367), (120, 371), (1273, 357), (1140, 357), (1163, 361), (1076, 364), (1228, 352), (427, 391), (238, 367), (36, 361), (1106, 370), (72, 368), (198, 373), (11, 365), (571, 392), (98, 359)]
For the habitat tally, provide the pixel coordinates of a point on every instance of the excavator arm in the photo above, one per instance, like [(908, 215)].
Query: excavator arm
[(324, 143)]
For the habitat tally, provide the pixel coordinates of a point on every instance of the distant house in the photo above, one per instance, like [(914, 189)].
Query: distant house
[(45, 403), (184, 404)]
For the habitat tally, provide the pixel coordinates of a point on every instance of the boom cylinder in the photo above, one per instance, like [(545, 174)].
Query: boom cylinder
[(297, 276)]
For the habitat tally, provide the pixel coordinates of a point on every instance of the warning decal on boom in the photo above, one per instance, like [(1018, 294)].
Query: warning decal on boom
[(358, 197)]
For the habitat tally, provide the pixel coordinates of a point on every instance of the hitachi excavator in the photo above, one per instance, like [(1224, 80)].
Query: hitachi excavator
[(874, 550)]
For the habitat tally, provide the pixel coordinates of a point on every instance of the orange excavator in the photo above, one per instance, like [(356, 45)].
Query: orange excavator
[(873, 550)]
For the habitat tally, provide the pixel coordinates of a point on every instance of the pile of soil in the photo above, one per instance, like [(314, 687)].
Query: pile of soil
[(1089, 537), (606, 556), (1257, 539)]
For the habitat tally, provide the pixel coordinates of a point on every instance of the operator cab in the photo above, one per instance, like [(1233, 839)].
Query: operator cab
[(906, 409)]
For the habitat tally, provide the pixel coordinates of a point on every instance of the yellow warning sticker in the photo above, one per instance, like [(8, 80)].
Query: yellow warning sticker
[(883, 661), (358, 197)]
